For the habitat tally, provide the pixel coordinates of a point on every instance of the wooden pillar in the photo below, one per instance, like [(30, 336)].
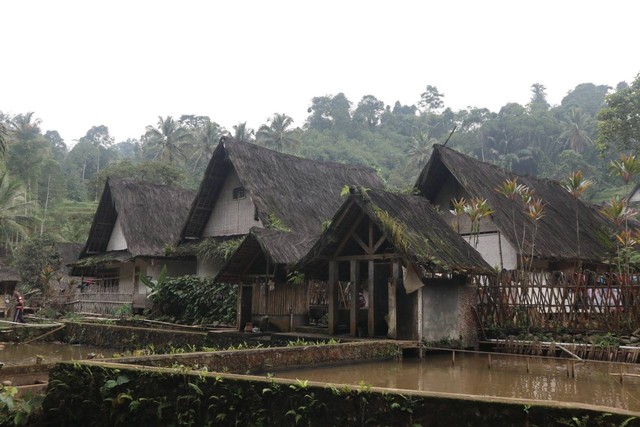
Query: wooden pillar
[(393, 287), (333, 297), (372, 300), (353, 310)]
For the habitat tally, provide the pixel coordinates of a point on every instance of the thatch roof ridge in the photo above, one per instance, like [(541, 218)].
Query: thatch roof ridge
[(277, 246), (9, 274), (421, 235), (151, 216), (556, 231), (300, 193)]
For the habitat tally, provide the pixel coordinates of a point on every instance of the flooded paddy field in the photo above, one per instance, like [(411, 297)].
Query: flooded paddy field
[(15, 354), (535, 378)]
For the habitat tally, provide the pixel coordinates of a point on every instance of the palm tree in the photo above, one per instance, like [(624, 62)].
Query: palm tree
[(11, 204), (25, 126), (3, 139), (277, 134), (204, 142), (575, 135), (167, 138), (576, 185), (242, 133), (420, 149)]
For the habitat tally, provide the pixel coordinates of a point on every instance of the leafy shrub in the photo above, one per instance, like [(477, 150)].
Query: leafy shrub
[(192, 299)]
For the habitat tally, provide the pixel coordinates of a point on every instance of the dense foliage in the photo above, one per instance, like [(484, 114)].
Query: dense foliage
[(191, 299), (51, 187)]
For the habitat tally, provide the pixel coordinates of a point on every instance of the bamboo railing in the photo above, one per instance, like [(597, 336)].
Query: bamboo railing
[(553, 301)]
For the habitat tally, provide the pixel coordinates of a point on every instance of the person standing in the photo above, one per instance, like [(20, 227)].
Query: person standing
[(19, 307)]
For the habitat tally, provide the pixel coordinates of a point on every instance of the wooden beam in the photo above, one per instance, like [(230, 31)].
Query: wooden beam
[(359, 241), (366, 257), (372, 301), (378, 243), (393, 288), (370, 236), (353, 310), (348, 235), (333, 297)]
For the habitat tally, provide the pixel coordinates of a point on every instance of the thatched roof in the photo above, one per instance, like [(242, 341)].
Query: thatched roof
[(556, 232), (151, 217), (9, 274), (301, 193), (412, 228), (69, 253), (262, 246)]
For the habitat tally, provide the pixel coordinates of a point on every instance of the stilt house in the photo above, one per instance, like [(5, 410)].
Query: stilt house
[(395, 268), (247, 187), (134, 231)]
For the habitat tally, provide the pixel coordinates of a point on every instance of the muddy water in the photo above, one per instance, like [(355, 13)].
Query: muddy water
[(546, 380), (26, 354)]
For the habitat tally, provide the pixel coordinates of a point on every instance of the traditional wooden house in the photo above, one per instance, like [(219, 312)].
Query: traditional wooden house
[(9, 279), (247, 187), (134, 232), (506, 237), (395, 268), (267, 289)]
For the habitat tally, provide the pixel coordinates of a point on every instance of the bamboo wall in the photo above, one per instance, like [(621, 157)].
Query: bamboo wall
[(552, 301), (275, 299)]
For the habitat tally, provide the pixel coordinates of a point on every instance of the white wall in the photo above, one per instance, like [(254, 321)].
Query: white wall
[(116, 240), (231, 217), (207, 268), (489, 246)]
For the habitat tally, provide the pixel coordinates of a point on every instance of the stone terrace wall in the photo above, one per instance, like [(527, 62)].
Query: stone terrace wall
[(101, 394), (266, 359)]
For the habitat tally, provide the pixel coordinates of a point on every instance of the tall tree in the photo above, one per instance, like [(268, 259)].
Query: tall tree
[(420, 148), (278, 133), (431, 99), (166, 139), (369, 111), (619, 121), (575, 134), (538, 101), (243, 133), (204, 141)]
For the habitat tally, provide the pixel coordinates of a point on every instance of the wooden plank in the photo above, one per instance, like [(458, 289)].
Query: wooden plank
[(348, 235), (371, 302), (367, 257), (393, 287), (333, 297), (353, 309)]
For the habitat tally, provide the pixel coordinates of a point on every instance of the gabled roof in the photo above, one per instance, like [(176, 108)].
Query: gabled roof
[(263, 244), (301, 193), (410, 225), (556, 231), (69, 253), (151, 216), (9, 274)]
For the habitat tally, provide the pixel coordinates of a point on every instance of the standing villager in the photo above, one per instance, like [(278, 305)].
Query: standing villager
[(19, 307)]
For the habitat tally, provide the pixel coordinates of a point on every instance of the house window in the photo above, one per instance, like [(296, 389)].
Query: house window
[(238, 193), (108, 280)]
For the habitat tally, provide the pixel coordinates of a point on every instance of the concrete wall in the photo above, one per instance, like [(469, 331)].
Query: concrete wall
[(446, 311), (117, 241), (490, 245), (229, 216)]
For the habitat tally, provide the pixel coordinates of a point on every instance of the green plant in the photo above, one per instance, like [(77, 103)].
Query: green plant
[(276, 223), (17, 411)]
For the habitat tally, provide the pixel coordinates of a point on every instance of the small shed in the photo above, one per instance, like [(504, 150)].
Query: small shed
[(259, 266), (395, 268), (9, 279)]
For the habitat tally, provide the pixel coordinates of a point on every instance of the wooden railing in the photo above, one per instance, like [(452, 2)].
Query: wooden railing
[(99, 301), (552, 301)]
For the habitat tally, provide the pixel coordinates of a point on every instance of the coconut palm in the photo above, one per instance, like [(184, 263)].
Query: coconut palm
[(278, 133), (25, 126), (3, 139), (242, 133), (420, 149), (575, 135), (167, 139), (204, 142), (12, 203)]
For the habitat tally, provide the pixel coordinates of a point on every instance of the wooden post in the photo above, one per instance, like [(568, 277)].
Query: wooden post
[(333, 297), (393, 286), (372, 301), (353, 309), (489, 357)]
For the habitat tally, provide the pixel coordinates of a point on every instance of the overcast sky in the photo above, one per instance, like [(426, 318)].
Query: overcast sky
[(77, 64)]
